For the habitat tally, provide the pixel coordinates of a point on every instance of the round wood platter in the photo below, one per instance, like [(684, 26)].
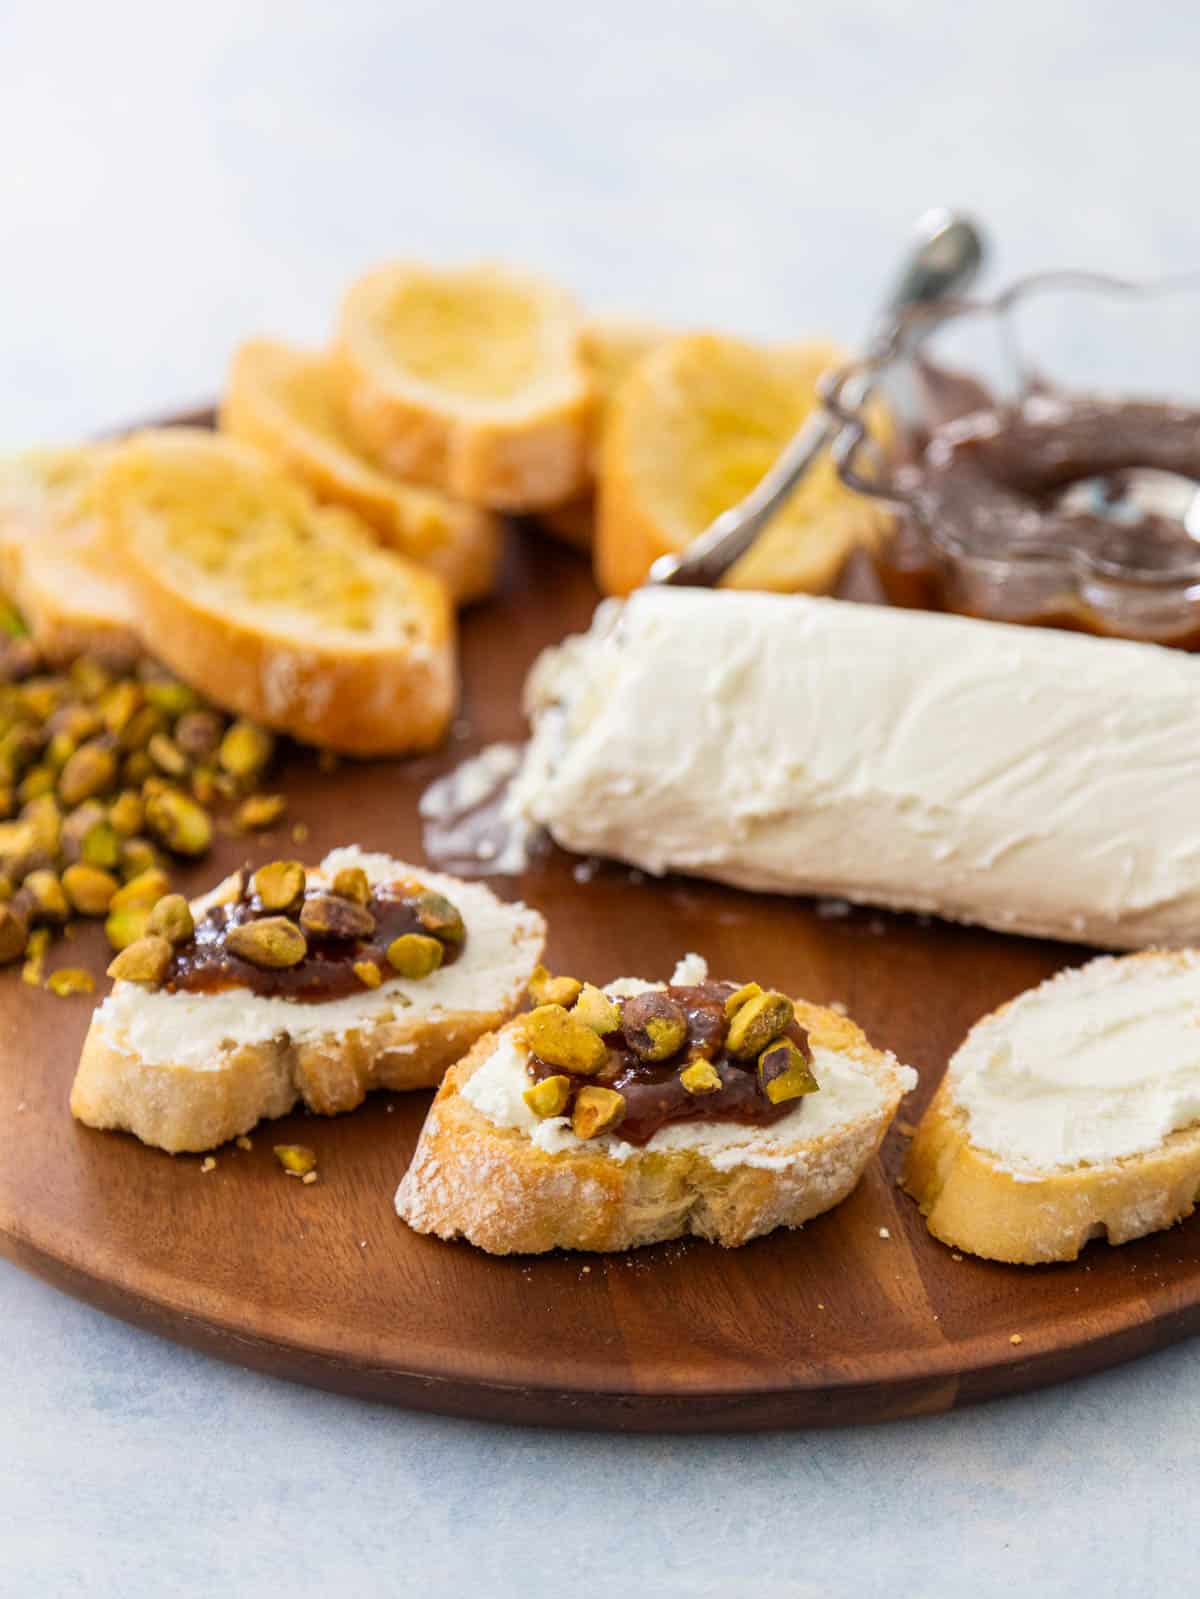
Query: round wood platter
[(861, 1316)]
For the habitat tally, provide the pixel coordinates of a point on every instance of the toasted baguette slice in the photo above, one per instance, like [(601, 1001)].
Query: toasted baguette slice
[(611, 347), (690, 433), (188, 1071), (285, 401), (479, 1174), (1089, 1086), (57, 561), (470, 380), (274, 606)]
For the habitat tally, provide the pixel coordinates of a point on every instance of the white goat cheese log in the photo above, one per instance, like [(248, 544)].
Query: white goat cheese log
[(1037, 781)]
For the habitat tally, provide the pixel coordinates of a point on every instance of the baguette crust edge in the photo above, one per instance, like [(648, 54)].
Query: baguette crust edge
[(971, 1202)]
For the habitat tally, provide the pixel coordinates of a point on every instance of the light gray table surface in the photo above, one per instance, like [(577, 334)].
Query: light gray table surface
[(177, 177)]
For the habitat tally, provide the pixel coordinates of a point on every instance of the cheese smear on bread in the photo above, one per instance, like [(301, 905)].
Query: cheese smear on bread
[(1096, 1064)]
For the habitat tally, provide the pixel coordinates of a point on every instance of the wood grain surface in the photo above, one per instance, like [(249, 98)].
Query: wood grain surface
[(323, 1284)]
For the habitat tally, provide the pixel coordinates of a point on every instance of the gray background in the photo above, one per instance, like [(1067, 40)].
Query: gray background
[(174, 178)]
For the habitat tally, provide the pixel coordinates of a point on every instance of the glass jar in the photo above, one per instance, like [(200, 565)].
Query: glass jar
[(1125, 559)]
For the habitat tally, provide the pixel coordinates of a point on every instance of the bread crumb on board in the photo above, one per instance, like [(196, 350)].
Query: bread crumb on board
[(208, 1164), (884, 1233), (1015, 1338)]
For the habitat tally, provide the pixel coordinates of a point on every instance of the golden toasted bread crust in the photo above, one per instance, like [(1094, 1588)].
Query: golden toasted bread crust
[(972, 1202), (472, 1179)]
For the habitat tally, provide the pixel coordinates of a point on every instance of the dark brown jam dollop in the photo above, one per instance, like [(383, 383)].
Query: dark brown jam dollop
[(205, 965), (654, 1092)]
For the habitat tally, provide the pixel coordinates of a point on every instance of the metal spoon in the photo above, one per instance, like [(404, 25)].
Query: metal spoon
[(947, 254)]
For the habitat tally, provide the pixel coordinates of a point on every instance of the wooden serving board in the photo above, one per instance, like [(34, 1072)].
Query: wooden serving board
[(842, 1322)]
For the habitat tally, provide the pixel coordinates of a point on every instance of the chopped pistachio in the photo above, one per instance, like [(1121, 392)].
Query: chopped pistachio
[(170, 696), (414, 956), (181, 824), (595, 1010), (171, 919), (560, 1040), (136, 768), (198, 733), (68, 980), (48, 902), (757, 1022), (167, 755), (368, 973), (90, 889), (597, 1110), (655, 1027), (34, 969), (245, 749), (701, 1077), (271, 942), (125, 927), (45, 818), (146, 960), (784, 1072), (38, 780), (135, 736), (138, 856), (736, 1000), (296, 1159), (259, 811), (438, 916), (101, 847), (126, 815), (279, 885), (351, 882), (548, 1097), (547, 990), (118, 704), (328, 916), (90, 771)]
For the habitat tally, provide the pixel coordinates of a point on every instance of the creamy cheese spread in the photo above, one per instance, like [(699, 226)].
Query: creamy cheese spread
[(1096, 1064)]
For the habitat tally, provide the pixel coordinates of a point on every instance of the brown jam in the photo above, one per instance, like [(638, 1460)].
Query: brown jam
[(205, 966), (1049, 475), (654, 1094)]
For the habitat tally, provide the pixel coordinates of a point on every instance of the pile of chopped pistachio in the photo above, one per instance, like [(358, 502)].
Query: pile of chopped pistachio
[(106, 776)]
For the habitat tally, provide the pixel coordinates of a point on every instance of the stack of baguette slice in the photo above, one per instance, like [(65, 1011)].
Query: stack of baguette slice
[(286, 401)]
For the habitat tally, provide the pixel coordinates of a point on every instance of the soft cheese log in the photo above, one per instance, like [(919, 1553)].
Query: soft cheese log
[(1036, 781)]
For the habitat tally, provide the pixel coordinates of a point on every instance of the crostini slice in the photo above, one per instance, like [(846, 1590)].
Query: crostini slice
[(520, 1155), (1070, 1114), (274, 606), (286, 401), (188, 1068), (57, 561), (470, 379), (693, 429)]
